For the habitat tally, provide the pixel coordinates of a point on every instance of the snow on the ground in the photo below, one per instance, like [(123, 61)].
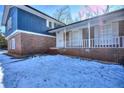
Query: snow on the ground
[(60, 71), (3, 51), (1, 72), (1, 77)]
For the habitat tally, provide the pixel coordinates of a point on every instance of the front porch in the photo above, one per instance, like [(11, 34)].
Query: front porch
[(112, 42), (88, 38), (92, 42), (100, 38)]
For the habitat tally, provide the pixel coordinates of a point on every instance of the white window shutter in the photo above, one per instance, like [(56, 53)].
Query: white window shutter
[(13, 43), (47, 23)]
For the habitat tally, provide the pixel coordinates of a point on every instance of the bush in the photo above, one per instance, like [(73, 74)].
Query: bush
[(3, 42)]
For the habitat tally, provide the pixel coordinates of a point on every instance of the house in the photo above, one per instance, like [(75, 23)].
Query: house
[(100, 37), (30, 31), (27, 30)]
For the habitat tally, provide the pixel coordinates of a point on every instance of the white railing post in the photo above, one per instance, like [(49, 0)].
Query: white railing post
[(119, 42), (89, 33), (65, 37), (70, 39), (110, 42), (115, 42), (122, 41), (82, 43)]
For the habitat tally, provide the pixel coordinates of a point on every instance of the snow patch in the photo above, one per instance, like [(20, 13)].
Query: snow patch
[(1, 77), (60, 71)]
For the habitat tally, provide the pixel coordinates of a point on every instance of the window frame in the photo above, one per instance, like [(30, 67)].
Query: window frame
[(50, 24), (13, 43)]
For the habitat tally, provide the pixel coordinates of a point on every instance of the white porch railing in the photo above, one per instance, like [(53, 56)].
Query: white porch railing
[(113, 42)]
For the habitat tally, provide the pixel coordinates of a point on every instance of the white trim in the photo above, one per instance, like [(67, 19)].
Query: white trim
[(27, 32), (68, 27)]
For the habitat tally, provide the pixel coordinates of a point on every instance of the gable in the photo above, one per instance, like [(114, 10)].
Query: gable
[(28, 9)]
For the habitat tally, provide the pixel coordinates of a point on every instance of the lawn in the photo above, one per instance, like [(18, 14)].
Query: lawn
[(53, 71)]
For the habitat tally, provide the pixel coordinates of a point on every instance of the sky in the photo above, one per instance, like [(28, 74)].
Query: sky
[(50, 10)]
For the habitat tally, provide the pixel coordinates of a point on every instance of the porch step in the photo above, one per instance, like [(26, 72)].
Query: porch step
[(53, 51)]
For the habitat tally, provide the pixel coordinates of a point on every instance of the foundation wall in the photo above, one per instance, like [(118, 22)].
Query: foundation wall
[(115, 55)]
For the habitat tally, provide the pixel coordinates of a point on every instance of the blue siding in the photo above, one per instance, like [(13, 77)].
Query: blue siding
[(31, 22), (26, 21), (13, 15)]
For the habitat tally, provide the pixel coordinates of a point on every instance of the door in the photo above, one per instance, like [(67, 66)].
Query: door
[(60, 39)]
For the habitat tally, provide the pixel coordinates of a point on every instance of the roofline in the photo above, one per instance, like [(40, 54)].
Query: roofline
[(50, 30), (28, 32), (43, 13), (5, 13)]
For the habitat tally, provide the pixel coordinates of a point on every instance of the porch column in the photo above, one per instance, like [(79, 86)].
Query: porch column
[(56, 41), (65, 37), (89, 33), (70, 39)]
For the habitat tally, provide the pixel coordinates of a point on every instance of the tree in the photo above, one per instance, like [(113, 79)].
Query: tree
[(89, 11), (3, 42), (63, 14), (107, 9)]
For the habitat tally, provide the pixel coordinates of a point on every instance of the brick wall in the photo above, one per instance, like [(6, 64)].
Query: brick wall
[(36, 44), (105, 54), (31, 44)]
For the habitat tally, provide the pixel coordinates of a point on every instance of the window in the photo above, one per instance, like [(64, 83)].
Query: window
[(9, 23), (104, 34), (55, 25), (103, 31), (13, 43), (106, 31), (50, 24)]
